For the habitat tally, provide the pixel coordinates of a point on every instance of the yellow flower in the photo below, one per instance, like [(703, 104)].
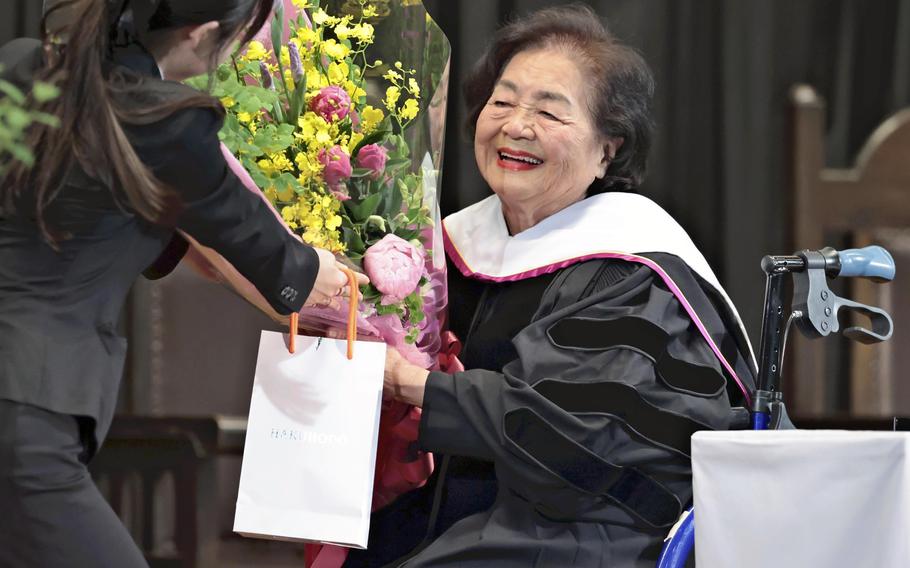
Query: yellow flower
[(289, 80), (342, 31), (255, 52), (369, 11), (307, 38), (333, 222), (281, 163), (370, 118), (413, 87), (228, 102), (286, 193), (266, 167), (363, 33), (315, 217), (391, 97), (338, 73), (308, 165), (300, 4), (392, 76), (289, 214), (356, 137), (285, 56), (244, 117), (315, 79), (410, 109), (354, 91), (334, 49), (315, 130), (320, 18)]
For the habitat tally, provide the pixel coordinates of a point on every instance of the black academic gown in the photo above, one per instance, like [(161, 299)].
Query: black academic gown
[(587, 424)]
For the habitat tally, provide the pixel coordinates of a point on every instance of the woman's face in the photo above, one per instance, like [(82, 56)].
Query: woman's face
[(189, 51), (535, 143)]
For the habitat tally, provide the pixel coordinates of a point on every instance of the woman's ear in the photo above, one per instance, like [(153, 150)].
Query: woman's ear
[(197, 35), (611, 147)]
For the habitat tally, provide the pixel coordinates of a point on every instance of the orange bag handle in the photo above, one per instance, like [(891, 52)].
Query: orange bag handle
[(352, 316), (353, 303)]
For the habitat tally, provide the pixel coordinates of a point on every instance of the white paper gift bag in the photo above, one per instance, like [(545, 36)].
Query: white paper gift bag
[(310, 450), (801, 499)]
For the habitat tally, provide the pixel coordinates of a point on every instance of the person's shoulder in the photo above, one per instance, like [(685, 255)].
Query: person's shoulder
[(629, 204), (189, 103), (19, 60), (601, 273), (195, 123), (183, 129), (18, 47)]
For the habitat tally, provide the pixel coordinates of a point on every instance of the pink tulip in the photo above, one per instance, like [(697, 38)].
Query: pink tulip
[(394, 266), (332, 103), (336, 170), (372, 157)]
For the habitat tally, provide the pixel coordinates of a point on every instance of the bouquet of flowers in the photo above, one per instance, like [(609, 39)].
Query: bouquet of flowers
[(332, 135), (347, 149)]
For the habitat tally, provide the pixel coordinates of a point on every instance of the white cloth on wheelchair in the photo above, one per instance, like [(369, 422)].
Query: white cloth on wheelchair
[(801, 498)]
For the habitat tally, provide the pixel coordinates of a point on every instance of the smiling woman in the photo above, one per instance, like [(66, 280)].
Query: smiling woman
[(596, 336), (535, 143)]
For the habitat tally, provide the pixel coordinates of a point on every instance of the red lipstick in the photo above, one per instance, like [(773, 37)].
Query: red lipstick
[(516, 160)]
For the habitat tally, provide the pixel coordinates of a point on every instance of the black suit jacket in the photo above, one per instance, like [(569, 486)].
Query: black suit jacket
[(58, 346)]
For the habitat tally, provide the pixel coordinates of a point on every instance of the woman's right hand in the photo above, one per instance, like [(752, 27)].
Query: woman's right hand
[(331, 282), (402, 380)]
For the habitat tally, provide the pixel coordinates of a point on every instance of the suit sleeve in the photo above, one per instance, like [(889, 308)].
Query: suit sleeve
[(19, 59), (220, 213), (602, 389)]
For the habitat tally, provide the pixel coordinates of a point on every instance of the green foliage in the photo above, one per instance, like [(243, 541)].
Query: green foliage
[(17, 115)]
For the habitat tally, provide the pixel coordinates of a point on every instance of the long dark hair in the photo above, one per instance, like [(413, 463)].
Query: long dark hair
[(622, 85), (92, 106)]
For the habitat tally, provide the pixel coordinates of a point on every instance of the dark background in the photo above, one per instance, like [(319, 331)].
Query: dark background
[(724, 69)]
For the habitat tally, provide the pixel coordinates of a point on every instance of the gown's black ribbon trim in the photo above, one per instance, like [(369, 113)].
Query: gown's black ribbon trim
[(642, 335), (622, 402), (637, 493)]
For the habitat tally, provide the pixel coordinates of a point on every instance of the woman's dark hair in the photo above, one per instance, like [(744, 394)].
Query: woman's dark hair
[(621, 84), (92, 107)]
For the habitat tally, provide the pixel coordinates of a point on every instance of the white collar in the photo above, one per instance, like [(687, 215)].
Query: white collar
[(617, 222)]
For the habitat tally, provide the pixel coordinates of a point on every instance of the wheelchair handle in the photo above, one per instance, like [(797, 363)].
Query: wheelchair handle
[(871, 262)]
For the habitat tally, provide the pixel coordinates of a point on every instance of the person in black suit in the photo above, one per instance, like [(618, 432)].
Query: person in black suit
[(133, 167)]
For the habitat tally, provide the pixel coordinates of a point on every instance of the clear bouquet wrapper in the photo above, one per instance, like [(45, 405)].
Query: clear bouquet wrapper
[(336, 116)]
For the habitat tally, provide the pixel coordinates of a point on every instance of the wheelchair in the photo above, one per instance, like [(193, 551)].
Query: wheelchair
[(814, 310)]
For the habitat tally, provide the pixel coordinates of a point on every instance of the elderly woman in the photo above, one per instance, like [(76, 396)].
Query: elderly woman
[(596, 337)]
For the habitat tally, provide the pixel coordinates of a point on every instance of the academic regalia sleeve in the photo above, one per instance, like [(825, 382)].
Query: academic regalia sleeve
[(610, 377), (220, 213)]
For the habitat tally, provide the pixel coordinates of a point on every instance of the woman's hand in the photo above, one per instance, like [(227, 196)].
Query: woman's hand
[(331, 283), (403, 381)]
